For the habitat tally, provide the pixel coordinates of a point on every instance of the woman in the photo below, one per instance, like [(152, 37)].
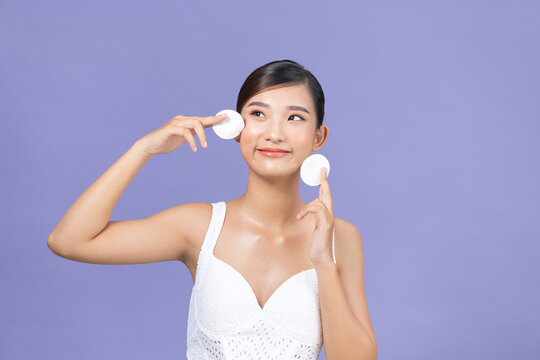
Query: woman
[(267, 283)]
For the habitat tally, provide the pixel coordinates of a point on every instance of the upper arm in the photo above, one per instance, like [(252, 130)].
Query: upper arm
[(163, 236), (350, 263)]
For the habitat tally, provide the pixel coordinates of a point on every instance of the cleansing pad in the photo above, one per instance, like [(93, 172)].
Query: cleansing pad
[(231, 127), (310, 171)]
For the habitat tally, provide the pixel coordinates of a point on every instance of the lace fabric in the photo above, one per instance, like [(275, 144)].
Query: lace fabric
[(225, 320)]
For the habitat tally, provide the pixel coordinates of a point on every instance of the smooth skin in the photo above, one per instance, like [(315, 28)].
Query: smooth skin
[(261, 237), (85, 232)]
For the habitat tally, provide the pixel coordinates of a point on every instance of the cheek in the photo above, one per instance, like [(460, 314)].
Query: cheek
[(251, 130), (301, 138), (249, 137)]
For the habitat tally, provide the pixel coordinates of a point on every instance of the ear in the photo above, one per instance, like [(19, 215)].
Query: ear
[(321, 136)]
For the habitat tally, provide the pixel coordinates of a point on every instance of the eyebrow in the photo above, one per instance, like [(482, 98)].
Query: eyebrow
[(291, 107)]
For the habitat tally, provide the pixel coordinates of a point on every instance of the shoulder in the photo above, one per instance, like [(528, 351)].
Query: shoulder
[(196, 219), (347, 243), (192, 220), (344, 228)]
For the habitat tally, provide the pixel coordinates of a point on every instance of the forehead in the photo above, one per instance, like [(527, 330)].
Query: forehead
[(282, 96)]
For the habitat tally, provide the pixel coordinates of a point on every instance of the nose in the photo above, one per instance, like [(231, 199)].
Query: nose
[(274, 131)]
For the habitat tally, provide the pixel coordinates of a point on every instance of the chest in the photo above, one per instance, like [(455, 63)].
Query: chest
[(264, 259), (225, 305)]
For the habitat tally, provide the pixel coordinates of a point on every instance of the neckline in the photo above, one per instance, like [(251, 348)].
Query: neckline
[(242, 277)]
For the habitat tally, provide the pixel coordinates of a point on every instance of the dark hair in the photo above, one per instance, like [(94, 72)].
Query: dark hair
[(282, 72)]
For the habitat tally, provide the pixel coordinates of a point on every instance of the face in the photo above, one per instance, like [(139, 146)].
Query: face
[(284, 118)]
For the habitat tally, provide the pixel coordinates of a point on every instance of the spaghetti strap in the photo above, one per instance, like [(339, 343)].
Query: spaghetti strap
[(333, 236), (216, 222)]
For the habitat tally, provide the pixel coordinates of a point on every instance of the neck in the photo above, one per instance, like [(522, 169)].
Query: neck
[(272, 202)]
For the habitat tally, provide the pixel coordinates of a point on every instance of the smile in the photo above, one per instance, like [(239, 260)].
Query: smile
[(273, 154)]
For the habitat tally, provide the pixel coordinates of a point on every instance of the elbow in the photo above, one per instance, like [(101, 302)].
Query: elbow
[(54, 245)]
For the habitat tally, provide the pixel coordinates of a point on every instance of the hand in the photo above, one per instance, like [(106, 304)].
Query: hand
[(177, 131), (320, 250)]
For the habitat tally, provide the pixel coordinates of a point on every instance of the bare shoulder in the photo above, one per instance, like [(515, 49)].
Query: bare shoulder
[(196, 216), (345, 227), (197, 222), (347, 241)]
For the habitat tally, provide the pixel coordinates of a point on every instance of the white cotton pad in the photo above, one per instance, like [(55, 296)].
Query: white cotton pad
[(310, 171), (231, 127)]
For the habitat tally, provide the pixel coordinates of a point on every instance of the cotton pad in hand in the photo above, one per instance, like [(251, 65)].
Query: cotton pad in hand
[(310, 171), (231, 127)]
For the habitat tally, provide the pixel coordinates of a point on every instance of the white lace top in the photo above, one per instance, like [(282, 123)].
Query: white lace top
[(226, 321)]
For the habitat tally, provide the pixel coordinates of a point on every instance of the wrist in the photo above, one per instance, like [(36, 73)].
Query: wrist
[(140, 148)]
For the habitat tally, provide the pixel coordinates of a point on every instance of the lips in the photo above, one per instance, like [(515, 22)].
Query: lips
[(273, 150), (273, 153)]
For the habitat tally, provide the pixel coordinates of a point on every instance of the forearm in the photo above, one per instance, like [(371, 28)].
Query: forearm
[(345, 338), (91, 212)]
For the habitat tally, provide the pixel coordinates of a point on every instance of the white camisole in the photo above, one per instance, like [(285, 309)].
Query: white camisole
[(226, 322)]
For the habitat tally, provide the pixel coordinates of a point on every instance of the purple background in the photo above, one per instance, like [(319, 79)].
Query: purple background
[(433, 110)]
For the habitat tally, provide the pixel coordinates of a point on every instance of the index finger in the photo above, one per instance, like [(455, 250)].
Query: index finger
[(324, 189), (211, 120)]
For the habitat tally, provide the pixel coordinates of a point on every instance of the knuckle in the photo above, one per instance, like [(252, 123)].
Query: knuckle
[(199, 127)]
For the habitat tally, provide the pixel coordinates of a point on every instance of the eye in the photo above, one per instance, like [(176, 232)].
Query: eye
[(255, 112), (298, 116)]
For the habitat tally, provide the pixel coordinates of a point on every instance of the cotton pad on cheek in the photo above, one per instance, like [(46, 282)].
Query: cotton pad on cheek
[(231, 127), (310, 171)]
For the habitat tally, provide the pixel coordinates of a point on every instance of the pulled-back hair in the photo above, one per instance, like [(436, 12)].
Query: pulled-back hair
[(282, 72)]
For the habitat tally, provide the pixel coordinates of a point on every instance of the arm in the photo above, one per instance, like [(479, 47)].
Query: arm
[(347, 329), (85, 233), (89, 215)]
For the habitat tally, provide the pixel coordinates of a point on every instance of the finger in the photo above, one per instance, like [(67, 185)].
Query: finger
[(211, 120), (321, 182), (324, 190), (189, 138), (198, 127), (309, 208), (322, 216), (303, 211)]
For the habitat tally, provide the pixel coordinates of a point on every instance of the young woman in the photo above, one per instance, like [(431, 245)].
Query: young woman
[(273, 276)]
